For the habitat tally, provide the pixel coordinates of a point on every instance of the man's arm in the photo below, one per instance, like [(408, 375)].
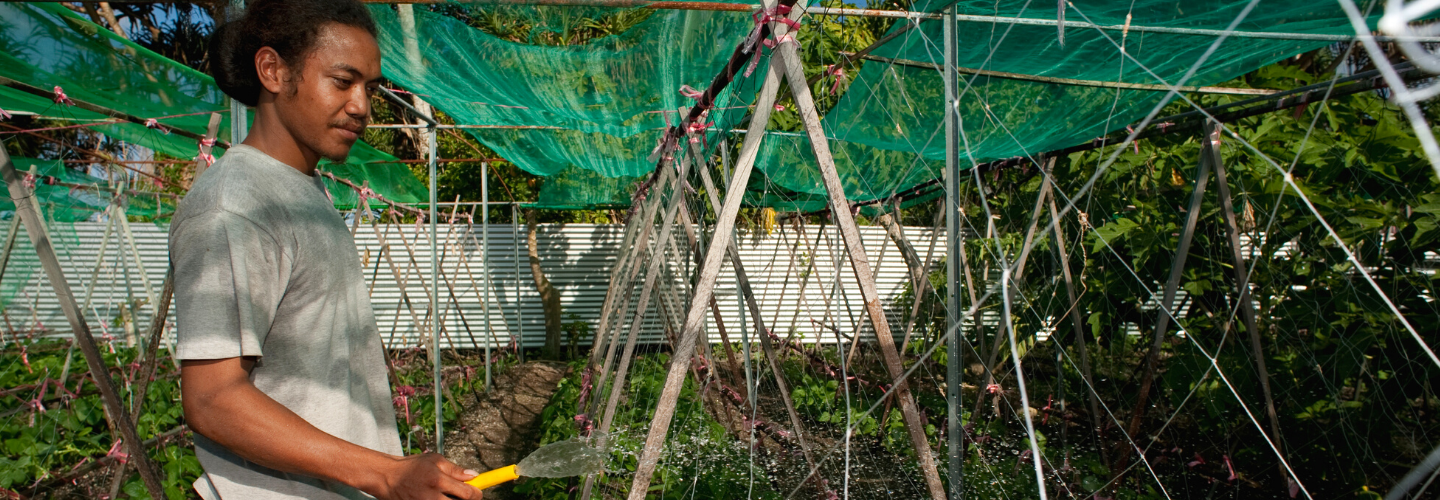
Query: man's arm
[(223, 405)]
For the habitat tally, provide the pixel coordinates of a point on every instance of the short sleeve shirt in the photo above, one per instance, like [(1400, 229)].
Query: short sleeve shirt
[(265, 267)]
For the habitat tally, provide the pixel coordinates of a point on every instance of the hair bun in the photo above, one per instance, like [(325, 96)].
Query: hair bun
[(232, 65)]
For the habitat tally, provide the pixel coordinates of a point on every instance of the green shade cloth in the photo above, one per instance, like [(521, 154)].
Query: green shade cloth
[(600, 107), (610, 97), (899, 107), (46, 45), (577, 188), (71, 204), (616, 84)]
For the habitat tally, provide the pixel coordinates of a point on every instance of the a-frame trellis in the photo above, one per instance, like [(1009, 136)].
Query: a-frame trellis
[(785, 67)]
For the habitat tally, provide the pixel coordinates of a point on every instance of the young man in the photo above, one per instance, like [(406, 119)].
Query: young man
[(282, 368)]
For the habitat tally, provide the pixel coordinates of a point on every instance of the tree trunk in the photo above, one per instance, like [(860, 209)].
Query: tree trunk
[(108, 15), (549, 297)]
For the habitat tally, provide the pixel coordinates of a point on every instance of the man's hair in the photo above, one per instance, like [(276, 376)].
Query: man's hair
[(288, 26)]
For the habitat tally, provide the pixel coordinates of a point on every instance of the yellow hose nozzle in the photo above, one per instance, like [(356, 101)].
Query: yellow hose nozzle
[(494, 477)]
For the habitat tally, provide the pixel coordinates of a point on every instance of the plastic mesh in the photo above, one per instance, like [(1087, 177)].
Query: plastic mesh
[(67, 203), (577, 188), (617, 84), (46, 45), (898, 107), (600, 106)]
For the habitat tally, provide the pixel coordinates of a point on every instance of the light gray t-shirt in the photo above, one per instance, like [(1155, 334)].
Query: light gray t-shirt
[(265, 267)]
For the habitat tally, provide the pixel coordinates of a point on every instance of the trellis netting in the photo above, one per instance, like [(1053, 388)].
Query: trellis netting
[(897, 106), (45, 45)]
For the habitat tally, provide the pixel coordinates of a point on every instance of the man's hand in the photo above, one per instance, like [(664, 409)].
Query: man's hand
[(424, 477)]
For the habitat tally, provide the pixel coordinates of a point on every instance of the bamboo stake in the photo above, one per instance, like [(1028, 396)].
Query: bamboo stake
[(1210, 150), (1152, 358), (638, 248), (1081, 341), (845, 221), (657, 258), (709, 273), (115, 409), (742, 282)]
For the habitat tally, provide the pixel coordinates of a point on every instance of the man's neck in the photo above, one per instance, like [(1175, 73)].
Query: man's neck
[(271, 137)]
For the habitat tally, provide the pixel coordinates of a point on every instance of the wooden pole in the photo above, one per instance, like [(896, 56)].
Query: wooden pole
[(450, 240), (124, 222), (115, 410), (709, 273), (810, 270), (638, 247), (907, 251), (399, 280), (850, 233), (924, 287), (657, 259), (1034, 222), (991, 363), (1081, 340), (742, 282), (714, 306), (152, 349), (10, 234), (1152, 358), (1210, 151), (622, 263), (50, 96)]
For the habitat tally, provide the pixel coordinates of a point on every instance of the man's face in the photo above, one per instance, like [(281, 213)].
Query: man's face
[(326, 103)]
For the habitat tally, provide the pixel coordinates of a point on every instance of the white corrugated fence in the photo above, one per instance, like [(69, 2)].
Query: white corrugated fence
[(577, 259)]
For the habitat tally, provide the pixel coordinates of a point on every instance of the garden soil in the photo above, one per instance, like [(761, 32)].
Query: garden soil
[(502, 426)]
